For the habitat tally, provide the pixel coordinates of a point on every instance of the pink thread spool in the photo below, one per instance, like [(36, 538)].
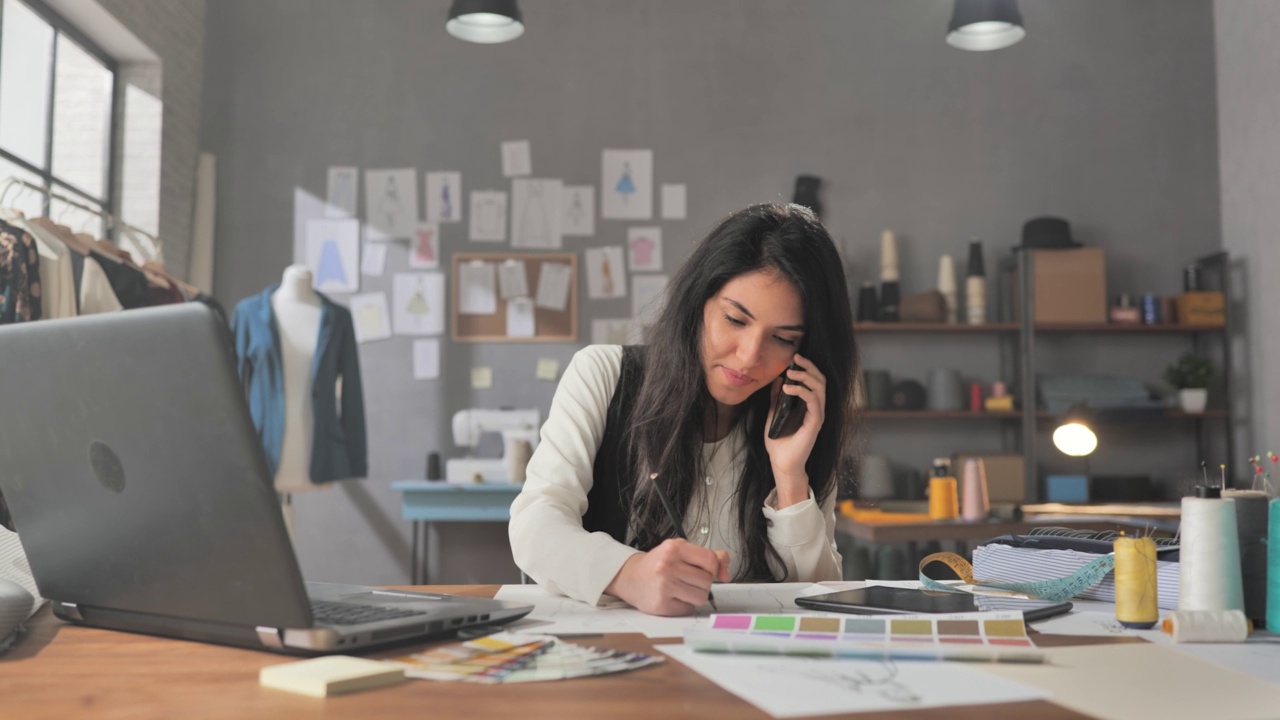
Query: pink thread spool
[(974, 500)]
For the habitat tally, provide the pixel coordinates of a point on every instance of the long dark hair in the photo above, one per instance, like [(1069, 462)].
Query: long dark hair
[(671, 408)]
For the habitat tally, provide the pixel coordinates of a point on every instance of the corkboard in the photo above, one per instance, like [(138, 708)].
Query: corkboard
[(549, 325)]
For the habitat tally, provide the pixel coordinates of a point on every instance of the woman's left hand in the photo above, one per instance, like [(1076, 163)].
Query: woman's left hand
[(789, 453)]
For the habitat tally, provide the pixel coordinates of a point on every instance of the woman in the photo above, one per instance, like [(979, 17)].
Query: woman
[(686, 417)]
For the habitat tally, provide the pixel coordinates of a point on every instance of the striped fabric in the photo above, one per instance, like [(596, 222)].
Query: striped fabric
[(995, 562)]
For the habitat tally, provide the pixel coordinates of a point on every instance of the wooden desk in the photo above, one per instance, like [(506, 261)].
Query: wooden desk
[(970, 531), (60, 672)]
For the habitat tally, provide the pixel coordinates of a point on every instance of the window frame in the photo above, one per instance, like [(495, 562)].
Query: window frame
[(52, 182)]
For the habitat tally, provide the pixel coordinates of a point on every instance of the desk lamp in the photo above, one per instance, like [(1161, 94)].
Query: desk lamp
[(1074, 435)]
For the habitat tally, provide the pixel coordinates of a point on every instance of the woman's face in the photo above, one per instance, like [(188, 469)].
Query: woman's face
[(751, 329)]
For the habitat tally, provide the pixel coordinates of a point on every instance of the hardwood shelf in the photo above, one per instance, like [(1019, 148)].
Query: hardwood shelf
[(1172, 413), (919, 327), (915, 327)]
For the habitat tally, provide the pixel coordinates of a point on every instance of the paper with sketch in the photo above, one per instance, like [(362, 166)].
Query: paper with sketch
[(444, 196), (516, 158), (535, 219), (341, 195), (520, 318), (626, 185), (333, 254), (1143, 680), (513, 280), (370, 317), (426, 359), (373, 260), (673, 202), (579, 217), (489, 215), (391, 202), (424, 249), (644, 248), (797, 686), (477, 291), (606, 274), (646, 297), (554, 280), (417, 303)]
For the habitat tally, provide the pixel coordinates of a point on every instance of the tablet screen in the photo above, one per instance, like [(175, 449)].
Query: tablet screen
[(879, 599)]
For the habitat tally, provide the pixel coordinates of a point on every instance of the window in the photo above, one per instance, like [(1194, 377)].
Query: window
[(57, 98)]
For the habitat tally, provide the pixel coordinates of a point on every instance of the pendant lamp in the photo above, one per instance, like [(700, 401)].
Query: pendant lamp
[(485, 21), (985, 24)]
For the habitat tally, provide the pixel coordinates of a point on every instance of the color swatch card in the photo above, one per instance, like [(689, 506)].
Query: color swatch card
[(484, 660), (989, 637)]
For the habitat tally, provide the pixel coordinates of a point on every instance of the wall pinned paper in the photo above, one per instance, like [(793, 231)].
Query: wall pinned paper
[(373, 259), (488, 216), (553, 286), (579, 217), (391, 203), (644, 248), (517, 160), (626, 185), (417, 303), (521, 322), (535, 213), (606, 274), (477, 288), (444, 196), (426, 359), (424, 248), (513, 280), (646, 297), (344, 183), (333, 254), (616, 331), (674, 201), (370, 317)]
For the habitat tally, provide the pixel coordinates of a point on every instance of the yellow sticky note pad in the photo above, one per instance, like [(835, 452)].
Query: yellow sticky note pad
[(332, 675), (481, 378), (548, 368)]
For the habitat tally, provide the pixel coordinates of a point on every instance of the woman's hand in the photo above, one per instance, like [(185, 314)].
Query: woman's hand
[(789, 453), (671, 579)]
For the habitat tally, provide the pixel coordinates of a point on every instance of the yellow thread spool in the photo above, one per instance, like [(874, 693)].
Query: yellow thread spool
[(944, 501), (1136, 593)]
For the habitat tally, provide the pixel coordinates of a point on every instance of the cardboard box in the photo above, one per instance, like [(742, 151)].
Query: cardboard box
[(1070, 286), (1202, 308), (1005, 482)]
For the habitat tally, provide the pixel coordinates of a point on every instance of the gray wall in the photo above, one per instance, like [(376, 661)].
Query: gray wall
[(1249, 139), (1104, 115)]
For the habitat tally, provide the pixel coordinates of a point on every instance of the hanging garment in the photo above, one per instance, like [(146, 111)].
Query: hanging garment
[(57, 284), (338, 444), (19, 276), (127, 282), (96, 295)]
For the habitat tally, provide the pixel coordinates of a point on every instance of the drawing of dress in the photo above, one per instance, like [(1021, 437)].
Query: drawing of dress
[(446, 203), (576, 211), (535, 221), (625, 186), (606, 271), (370, 321), (342, 192), (426, 246), (418, 306), (330, 266), (390, 205)]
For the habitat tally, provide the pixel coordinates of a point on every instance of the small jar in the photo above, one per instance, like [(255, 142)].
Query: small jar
[(1123, 312)]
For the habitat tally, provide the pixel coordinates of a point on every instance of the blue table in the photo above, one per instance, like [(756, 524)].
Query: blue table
[(428, 501)]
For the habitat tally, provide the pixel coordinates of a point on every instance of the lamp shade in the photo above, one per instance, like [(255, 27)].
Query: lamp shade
[(1074, 435), (985, 24), (485, 21)]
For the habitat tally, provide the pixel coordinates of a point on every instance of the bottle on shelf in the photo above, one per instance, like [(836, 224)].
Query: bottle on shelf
[(889, 291), (975, 286)]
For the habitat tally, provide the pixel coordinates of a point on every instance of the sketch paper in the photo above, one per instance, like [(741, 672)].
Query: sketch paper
[(481, 378), (646, 297), (626, 185), (553, 286), (513, 280), (520, 318), (535, 213), (444, 196), (424, 247), (373, 261), (344, 182), (333, 254), (644, 248), (516, 158), (417, 301), (547, 369), (673, 202), (426, 359), (370, 317), (613, 332), (391, 202), (477, 291), (489, 215), (579, 217), (798, 686), (606, 275)]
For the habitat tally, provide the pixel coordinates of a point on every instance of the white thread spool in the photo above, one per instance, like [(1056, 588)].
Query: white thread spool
[(1207, 626), (1209, 576)]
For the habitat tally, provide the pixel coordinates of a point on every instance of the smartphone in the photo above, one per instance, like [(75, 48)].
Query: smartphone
[(786, 404), (881, 600)]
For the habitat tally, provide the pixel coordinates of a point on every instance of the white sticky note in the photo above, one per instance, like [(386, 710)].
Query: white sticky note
[(644, 248), (344, 183), (374, 260), (674, 201), (481, 378), (606, 274), (553, 286), (547, 369), (333, 254), (417, 303), (516, 158), (520, 318), (370, 317), (488, 216), (535, 213), (513, 281), (579, 218), (426, 359), (444, 196), (424, 247), (646, 297), (626, 185)]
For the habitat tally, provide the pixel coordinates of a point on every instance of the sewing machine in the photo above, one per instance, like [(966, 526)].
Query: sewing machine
[(471, 424)]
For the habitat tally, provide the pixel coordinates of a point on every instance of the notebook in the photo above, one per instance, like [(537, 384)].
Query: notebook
[(140, 491)]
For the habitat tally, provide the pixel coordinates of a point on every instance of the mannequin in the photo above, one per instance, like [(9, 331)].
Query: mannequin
[(296, 307)]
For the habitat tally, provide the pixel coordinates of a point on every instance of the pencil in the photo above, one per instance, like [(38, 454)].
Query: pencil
[(679, 527)]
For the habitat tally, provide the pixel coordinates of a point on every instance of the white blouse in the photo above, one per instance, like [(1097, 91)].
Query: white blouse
[(547, 537)]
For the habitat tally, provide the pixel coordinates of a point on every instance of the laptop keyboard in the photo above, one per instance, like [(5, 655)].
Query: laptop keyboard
[(336, 613)]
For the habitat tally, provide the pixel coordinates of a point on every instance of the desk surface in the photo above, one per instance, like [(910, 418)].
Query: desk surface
[(63, 671), (967, 531)]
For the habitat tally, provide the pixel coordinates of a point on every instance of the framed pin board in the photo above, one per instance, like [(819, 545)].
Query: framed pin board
[(551, 280)]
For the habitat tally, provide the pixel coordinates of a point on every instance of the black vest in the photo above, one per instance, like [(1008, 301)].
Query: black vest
[(609, 500)]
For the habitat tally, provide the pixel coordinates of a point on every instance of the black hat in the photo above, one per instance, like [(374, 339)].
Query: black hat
[(1047, 233)]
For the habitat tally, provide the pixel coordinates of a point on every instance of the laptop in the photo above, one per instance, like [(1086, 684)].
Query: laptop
[(140, 490)]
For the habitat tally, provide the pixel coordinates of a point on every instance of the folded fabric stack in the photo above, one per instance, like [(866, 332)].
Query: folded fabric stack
[(1050, 553)]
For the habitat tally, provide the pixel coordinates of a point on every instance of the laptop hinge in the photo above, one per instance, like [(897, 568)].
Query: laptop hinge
[(270, 637), (72, 611)]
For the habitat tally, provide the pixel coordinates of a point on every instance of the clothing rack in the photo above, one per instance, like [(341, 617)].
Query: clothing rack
[(150, 243)]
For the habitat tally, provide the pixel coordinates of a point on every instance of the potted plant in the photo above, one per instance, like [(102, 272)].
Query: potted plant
[(1190, 375)]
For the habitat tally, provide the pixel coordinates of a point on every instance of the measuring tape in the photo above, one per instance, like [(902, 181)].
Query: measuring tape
[(1052, 590)]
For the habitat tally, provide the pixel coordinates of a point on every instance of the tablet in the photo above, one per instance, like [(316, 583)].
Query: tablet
[(881, 600)]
